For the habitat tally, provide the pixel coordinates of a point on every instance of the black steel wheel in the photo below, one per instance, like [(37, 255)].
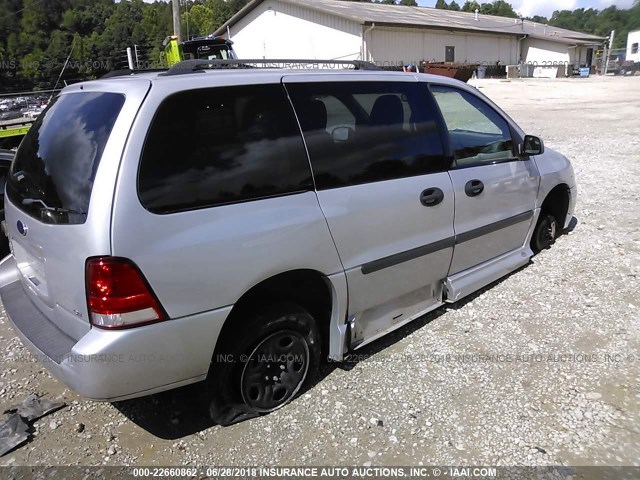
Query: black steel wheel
[(545, 233), (262, 363), (275, 371)]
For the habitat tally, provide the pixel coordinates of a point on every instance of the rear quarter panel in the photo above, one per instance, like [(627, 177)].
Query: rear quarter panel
[(204, 259)]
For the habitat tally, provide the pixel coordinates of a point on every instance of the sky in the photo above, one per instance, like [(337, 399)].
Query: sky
[(529, 8), (545, 8)]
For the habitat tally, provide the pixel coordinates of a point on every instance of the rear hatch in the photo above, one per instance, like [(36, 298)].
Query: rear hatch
[(60, 190)]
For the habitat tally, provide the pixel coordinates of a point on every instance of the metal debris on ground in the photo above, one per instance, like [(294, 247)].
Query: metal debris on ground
[(15, 430), (13, 433), (34, 407)]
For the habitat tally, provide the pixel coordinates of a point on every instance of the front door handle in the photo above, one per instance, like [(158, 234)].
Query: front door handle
[(473, 188), (431, 197)]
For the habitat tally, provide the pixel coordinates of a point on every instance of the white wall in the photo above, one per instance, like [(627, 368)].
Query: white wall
[(634, 37), (281, 30), (411, 45), (578, 55), (277, 29), (543, 52)]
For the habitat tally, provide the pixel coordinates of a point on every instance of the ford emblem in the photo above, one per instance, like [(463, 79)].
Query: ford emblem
[(22, 228)]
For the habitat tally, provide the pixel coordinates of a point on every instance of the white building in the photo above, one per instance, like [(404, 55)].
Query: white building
[(633, 40), (398, 35)]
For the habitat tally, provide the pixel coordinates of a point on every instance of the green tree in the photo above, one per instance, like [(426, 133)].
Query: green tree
[(223, 10), (30, 65), (53, 60), (470, 6), (503, 9), (600, 22), (9, 18), (200, 20), (454, 6), (442, 4), (538, 19), (85, 19), (118, 32)]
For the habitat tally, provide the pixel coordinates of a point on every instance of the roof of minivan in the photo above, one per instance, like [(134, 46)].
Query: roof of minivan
[(258, 75), (275, 72)]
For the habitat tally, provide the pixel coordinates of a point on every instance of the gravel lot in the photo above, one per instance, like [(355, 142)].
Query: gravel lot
[(539, 369)]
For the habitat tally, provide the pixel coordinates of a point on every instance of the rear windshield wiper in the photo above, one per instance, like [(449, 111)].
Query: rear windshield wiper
[(31, 201)]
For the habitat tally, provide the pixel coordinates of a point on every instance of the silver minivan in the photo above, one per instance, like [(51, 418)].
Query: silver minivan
[(237, 226)]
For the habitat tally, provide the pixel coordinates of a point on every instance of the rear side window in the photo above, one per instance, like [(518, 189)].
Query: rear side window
[(479, 135), (5, 163), (52, 176), (362, 132), (222, 145)]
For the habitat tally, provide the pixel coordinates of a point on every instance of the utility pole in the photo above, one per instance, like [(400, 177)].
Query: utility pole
[(608, 56), (176, 18), (135, 49), (130, 59), (186, 14)]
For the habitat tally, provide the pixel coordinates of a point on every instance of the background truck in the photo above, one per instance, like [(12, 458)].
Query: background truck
[(207, 48)]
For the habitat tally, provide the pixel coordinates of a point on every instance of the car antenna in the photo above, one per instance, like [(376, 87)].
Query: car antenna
[(63, 68)]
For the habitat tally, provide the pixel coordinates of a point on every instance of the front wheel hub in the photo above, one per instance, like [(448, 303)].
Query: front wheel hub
[(275, 371), (550, 232)]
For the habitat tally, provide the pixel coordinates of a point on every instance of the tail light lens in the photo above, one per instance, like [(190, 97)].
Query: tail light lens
[(118, 295)]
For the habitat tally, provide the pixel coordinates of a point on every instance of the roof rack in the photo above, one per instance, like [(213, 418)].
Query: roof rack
[(198, 65), (128, 71)]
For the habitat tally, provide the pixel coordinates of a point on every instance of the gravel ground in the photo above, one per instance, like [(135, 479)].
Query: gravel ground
[(539, 369)]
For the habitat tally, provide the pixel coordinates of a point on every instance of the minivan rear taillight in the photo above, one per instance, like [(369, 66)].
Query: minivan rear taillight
[(118, 296)]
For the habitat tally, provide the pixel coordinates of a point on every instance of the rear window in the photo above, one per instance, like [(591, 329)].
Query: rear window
[(52, 176)]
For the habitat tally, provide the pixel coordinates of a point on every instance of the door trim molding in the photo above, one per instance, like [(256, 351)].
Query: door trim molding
[(493, 227), (407, 255), (398, 258)]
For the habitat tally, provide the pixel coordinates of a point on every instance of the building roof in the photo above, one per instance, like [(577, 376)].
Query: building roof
[(367, 13)]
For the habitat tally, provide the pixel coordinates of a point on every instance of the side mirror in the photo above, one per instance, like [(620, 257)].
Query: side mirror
[(532, 145)]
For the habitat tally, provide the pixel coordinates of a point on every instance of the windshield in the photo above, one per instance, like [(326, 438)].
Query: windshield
[(220, 53), (52, 176)]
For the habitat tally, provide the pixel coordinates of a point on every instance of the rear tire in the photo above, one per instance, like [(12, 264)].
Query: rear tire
[(545, 233), (263, 363)]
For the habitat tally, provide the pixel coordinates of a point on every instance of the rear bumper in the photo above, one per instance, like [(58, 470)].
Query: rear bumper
[(116, 365)]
